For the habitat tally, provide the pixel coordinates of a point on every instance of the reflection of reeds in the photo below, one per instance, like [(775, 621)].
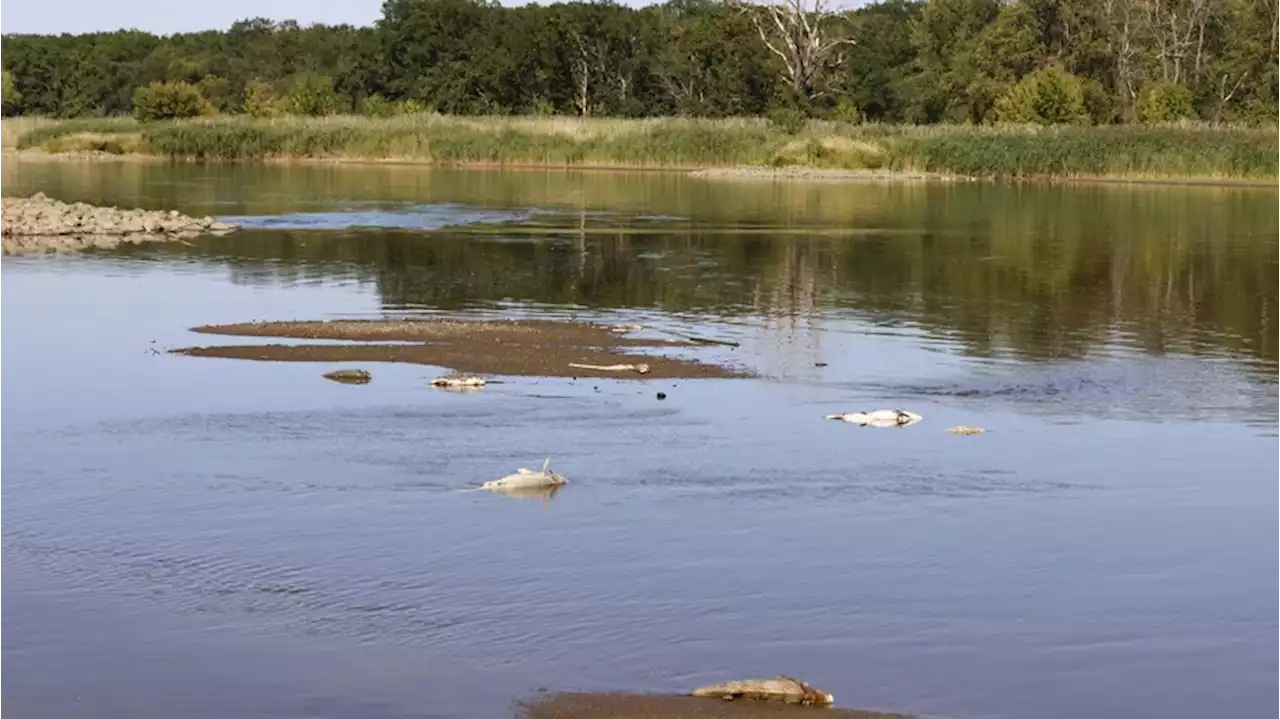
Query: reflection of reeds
[(1173, 151)]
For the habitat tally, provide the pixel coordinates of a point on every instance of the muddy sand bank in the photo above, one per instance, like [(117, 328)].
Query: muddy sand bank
[(497, 347), (652, 706)]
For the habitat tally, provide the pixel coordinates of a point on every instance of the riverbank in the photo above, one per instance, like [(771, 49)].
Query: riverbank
[(721, 148)]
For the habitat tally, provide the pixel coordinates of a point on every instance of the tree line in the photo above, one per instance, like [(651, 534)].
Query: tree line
[(911, 61)]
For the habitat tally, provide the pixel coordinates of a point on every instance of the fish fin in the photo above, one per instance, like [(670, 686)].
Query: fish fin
[(546, 464)]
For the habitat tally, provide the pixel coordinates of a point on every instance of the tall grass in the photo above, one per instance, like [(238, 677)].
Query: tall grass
[(13, 129), (1187, 151)]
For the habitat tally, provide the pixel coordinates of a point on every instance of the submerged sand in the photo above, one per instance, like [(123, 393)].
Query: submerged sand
[(498, 347), (665, 706)]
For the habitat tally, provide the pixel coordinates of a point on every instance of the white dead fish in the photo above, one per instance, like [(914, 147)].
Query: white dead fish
[(641, 368), (779, 689), (879, 418), (458, 382), (965, 429), (524, 479), (543, 493), (625, 329)]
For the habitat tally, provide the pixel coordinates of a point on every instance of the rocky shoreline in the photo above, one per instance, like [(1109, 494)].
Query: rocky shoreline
[(42, 224)]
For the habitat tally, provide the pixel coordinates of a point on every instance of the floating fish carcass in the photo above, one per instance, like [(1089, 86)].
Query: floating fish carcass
[(458, 382), (779, 689), (524, 478), (879, 418)]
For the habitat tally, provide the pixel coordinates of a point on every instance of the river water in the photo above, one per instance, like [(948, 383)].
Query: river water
[(213, 537)]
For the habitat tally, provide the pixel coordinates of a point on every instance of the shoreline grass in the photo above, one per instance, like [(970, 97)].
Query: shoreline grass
[(1189, 152)]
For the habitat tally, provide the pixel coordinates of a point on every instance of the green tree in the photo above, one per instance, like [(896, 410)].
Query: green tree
[(260, 100), (1166, 102), (1050, 96), (169, 101), (9, 95), (313, 95)]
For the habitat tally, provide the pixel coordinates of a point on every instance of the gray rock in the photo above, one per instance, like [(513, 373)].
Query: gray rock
[(39, 224)]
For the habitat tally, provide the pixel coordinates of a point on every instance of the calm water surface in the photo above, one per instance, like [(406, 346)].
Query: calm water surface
[(216, 538)]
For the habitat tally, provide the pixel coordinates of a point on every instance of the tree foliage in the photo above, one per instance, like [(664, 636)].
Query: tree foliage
[(894, 60), (8, 94), (170, 101), (1049, 96)]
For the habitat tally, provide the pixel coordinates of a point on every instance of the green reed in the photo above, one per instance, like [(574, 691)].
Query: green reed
[(1187, 151)]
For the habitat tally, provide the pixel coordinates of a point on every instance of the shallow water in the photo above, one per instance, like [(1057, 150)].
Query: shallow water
[(207, 538)]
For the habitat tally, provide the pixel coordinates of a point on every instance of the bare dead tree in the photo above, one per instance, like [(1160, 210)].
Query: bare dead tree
[(1274, 17), (580, 67), (1225, 95), (1123, 42), (800, 34), (1176, 29)]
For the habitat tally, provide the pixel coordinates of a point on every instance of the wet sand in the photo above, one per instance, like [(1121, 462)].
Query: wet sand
[(499, 347), (665, 706)]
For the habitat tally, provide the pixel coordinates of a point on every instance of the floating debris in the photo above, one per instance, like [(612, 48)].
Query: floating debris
[(641, 368), (965, 429), (625, 329), (458, 382), (349, 376), (779, 689), (879, 418)]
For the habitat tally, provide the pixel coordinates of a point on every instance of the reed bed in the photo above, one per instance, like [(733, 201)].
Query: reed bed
[(1183, 151), (14, 129)]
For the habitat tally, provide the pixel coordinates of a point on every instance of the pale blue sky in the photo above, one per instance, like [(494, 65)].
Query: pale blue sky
[(169, 16)]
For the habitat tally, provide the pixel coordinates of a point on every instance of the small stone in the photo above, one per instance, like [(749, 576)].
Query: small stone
[(662, 395)]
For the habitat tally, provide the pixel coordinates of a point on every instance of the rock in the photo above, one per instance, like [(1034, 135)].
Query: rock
[(41, 221)]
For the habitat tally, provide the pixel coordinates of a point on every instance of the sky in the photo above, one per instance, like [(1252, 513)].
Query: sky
[(169, 16), (164, 17)]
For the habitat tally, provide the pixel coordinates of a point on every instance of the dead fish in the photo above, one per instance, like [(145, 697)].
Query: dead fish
[(543, 493), (458, 382), (779, 689), (524, 479), (349, 376), (625, 329), (879, 418), (965, 429), (641, 368)]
